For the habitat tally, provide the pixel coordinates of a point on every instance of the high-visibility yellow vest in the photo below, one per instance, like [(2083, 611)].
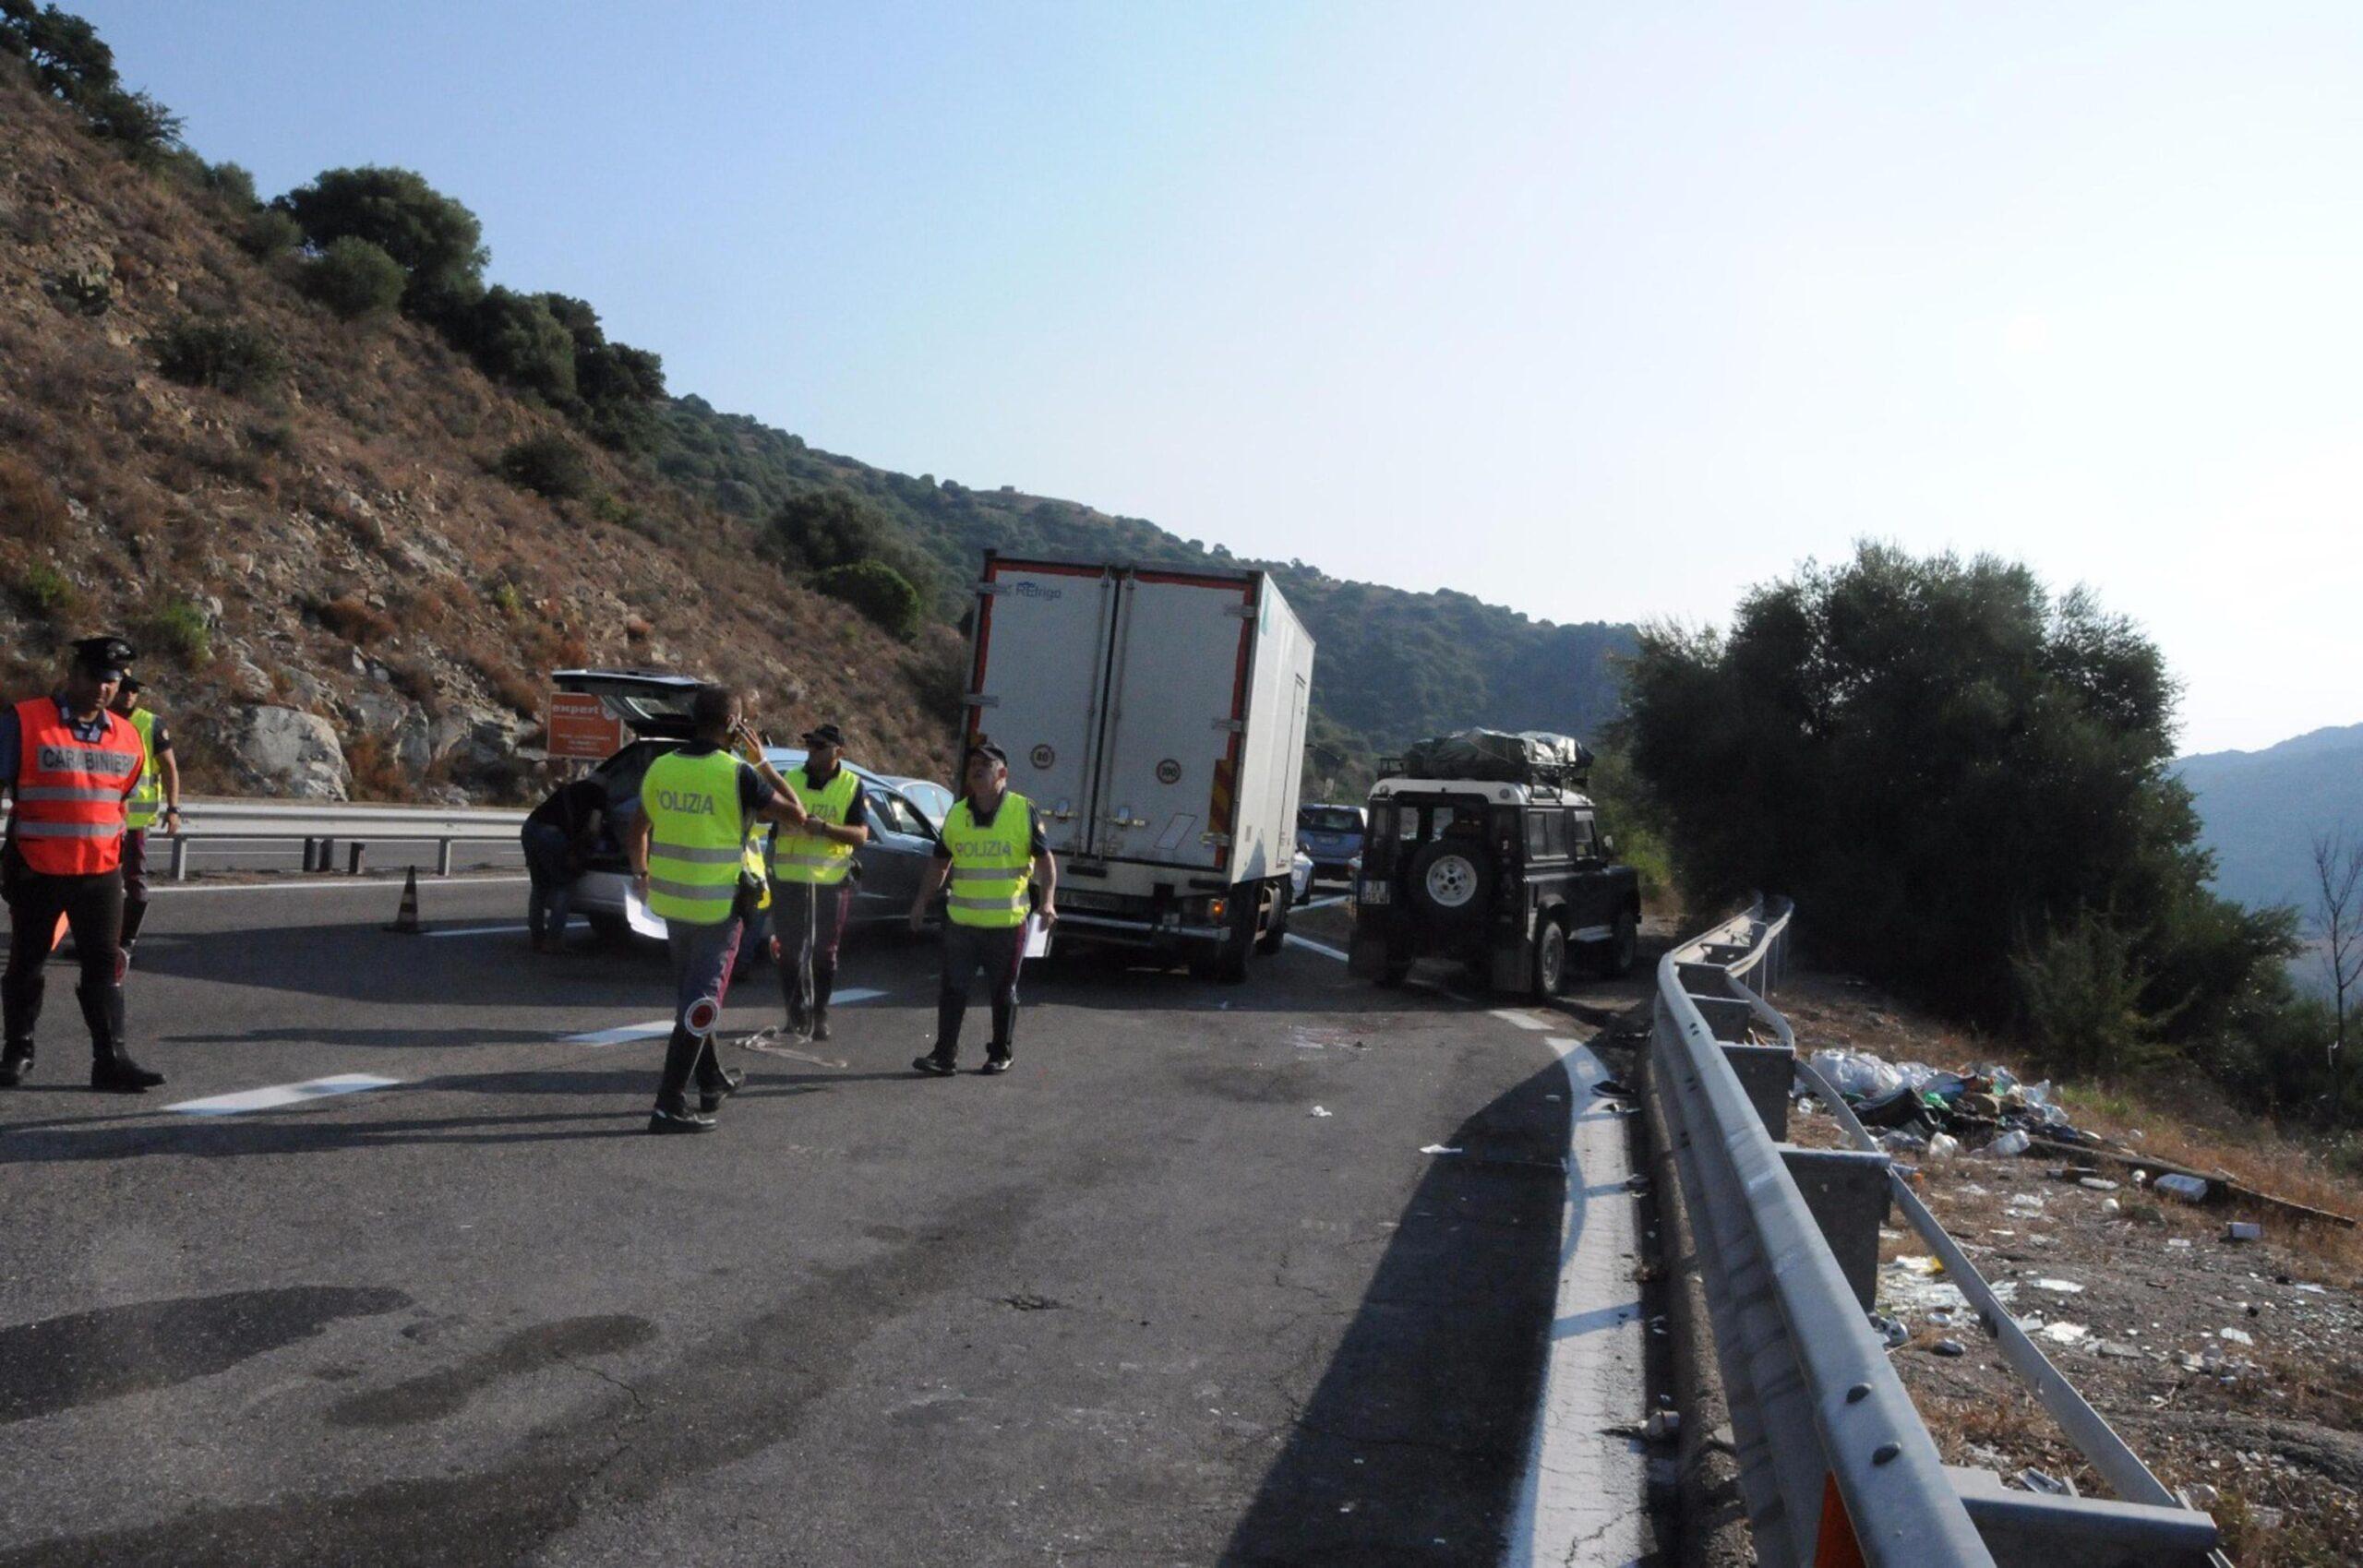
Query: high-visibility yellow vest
[(988, 864), (149, 793), (809, 857), (697, 836)]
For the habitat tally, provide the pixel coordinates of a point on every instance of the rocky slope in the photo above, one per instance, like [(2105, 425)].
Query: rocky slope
[(335, 593)]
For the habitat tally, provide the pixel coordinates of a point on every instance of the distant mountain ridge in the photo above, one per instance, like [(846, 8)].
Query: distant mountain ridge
[(1393, 665), (2259, 812)]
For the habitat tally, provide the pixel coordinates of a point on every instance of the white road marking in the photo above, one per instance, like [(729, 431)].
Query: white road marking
[(495, 930), (1329, 903), (1581, 1483), (340, 884), (620, 1034), (283, 1095), (623, 1034), (1523, 1019), (1322, 948)]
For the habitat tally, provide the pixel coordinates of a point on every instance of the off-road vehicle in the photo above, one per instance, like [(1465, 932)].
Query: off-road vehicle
[(1506, 876)]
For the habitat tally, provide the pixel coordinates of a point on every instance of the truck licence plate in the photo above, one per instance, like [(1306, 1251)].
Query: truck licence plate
[(1374, 893)]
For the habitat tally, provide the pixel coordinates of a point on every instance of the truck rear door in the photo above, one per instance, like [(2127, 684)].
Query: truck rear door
[(1048, 628), (1169, 767)]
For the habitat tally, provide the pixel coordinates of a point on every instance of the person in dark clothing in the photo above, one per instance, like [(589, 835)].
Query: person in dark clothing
[(995, 856), (558, 837), (813, 872), (689, 853), (72, 767), (156, 798)]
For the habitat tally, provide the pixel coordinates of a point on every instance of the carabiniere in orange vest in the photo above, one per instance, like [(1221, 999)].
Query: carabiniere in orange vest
[(70, 793)]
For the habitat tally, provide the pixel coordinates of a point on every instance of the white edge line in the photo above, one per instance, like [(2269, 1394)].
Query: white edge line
[(1523, 1019), (1573, 1485), (274, 1096), (1330, 903), (1320, 948)]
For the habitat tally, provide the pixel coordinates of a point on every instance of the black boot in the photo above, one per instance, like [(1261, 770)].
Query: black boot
[(824, 979), (110, 1069), (15, 1063), (135, 914), (949, 1010), (999, 1050)]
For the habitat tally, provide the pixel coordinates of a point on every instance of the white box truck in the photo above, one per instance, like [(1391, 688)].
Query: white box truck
[(1156, 718)]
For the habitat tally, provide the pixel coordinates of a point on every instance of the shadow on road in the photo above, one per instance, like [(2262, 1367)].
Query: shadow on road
[(1413, 1446)]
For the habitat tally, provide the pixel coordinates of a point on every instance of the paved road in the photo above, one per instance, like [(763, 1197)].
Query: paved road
[(1135, 1303)]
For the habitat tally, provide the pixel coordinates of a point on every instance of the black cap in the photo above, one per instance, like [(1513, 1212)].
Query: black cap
[(128, 683), (983, 748), (824, 735), (103, 656)]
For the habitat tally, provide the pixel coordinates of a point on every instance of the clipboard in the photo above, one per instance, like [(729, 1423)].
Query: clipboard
[(1037, 938)]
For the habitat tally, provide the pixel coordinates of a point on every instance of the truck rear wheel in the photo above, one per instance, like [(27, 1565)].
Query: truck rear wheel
[(1277, 931), (1550, 961)]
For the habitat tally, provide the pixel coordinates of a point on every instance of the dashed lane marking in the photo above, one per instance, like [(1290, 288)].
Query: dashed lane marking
[(1322, 948), (1523, 1019), (283, 1095)]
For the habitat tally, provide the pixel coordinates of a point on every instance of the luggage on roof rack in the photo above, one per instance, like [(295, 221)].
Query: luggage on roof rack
[(1530, 757)]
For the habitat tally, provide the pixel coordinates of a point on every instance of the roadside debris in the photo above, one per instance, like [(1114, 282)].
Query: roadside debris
[(2189, 1189), (2243, 1230), (1320, 1110), (1437, 1149)]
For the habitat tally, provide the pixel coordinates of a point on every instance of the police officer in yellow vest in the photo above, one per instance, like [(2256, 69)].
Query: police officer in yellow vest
[(157, 795), (812, 877), (689, 853), (992, 848)]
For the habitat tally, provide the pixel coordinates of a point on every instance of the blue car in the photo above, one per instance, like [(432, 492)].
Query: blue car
[(1333, 837)]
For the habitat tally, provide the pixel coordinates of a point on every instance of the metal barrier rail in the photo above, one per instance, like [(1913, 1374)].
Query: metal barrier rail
[(1827, 1437), (320, 827)]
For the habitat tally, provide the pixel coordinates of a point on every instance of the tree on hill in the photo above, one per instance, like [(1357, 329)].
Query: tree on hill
[(1947, 766), (438, 242)]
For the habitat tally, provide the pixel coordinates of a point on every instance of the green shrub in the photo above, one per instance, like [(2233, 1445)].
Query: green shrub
[(515, 339), (438, 242), (227, 355), (177, 628), (879, 592), (266, 232), (233, 184), (45, 593), (547, 465), (355, 278), (135, 122), (2079, 986)]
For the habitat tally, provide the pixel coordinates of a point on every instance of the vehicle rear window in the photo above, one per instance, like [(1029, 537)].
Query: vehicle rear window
[(1581, 840), (1331, 819)]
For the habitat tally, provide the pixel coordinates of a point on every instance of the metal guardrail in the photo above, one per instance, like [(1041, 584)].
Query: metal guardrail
[(322, 826), (1832, 1451)]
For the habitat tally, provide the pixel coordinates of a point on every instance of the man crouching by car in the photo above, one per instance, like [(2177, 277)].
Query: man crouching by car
[(688, 857)]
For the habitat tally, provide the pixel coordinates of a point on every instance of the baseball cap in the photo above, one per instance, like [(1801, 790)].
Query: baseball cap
[(104, 656)]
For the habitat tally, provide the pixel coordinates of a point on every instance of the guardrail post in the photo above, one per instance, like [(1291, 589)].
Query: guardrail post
[(359, 851), (180, 859), (1846, 1193), (328, 853), (443, 857), (1765, 1073)]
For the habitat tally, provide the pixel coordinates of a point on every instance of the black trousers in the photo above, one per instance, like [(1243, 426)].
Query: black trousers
[(808, 920), (996, 950), (93, 910), (702, 957)]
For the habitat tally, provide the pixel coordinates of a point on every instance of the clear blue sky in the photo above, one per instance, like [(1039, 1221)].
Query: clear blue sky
[(1603, 312)]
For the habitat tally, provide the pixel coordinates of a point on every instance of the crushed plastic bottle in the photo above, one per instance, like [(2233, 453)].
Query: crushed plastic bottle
[(2009, 1144)]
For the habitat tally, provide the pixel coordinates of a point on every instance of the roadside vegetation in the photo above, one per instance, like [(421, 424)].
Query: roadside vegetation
[(1962, 778)]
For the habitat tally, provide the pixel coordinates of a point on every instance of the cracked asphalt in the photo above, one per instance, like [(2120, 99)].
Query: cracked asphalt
[(1135, 1303)]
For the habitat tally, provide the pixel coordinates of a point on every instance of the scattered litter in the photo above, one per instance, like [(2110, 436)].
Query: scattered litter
[(2064, 1332), (1319, 1110), (2180, 1242), (2009, 1144), (1855, 1075), (1552, 1098), (1892, 1332), (2189, 1189), (2312, 1289), (1943, 1146), (2236, 1335), (2110, 1205), (1949, 1347), (2118, 1349), (2023, 1203), (2060, 1287), (2243, 1230), (2202, 1496), (1661, 1425), (1901, 1141), (1438, 1149), (2265, 1518), (1636, 1183), (1926, 1267), (2096, 1184), (1610, 1088), (2033, 1479)]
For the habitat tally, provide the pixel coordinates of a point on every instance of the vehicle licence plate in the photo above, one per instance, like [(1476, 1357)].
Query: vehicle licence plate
[(1374, 893)]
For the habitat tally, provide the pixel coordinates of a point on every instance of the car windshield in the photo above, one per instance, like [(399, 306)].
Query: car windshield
[(1332, 819)]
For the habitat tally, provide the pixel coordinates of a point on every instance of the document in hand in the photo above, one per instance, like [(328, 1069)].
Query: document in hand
[(640, 918), (1037, 937)]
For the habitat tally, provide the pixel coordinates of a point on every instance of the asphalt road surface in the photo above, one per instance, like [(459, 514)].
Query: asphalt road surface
[(1137, 1302)]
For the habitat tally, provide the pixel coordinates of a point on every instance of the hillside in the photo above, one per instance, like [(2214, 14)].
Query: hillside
[(334, 590), (355, 500), (1393, 665), (2260, 810)]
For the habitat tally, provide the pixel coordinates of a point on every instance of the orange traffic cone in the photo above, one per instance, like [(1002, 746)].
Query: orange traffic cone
[(406, 918)]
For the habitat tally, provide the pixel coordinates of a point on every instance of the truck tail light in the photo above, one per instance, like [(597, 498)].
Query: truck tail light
[(1217, 908)]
